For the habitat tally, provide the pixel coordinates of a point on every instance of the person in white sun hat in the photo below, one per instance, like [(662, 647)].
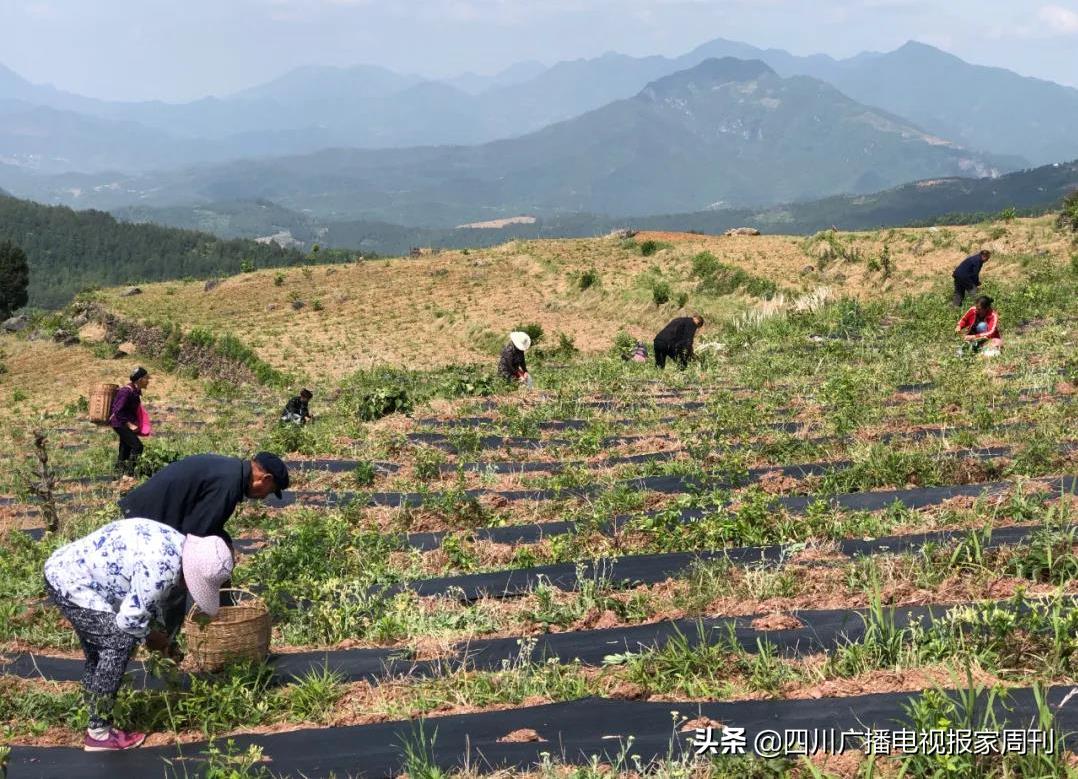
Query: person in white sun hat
[(111, 585), (512, 366)]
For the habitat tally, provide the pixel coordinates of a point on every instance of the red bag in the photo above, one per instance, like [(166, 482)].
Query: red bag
[(144, 426)]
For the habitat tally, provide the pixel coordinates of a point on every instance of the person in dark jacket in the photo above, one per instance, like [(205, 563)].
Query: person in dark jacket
[(197, 495), (511, 365), (675, 340), (124, 419), (967, 276), (297, 411)]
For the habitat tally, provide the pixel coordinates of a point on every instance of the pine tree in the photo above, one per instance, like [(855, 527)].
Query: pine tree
[(14, 278)]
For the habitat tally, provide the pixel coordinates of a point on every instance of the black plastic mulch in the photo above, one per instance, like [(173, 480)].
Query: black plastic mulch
[(631, 570), (338, 466), (663, 484), (445, 443), (580, 424), (556, 466), (821, 630), (572, 732)]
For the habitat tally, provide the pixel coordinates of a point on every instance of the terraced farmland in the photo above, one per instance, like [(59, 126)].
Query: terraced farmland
[(834, 522)]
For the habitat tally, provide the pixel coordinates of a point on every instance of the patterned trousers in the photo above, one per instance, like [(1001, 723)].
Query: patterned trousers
[(108, 650)]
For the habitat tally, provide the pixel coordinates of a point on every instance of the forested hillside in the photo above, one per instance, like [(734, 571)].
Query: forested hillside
[(71, 250)]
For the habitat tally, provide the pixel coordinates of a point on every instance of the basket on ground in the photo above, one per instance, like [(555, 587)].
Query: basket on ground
[(240, 631)]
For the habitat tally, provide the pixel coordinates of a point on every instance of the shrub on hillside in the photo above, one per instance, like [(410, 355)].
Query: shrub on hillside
[(1068, 216), (155, 457), (383, 401), (468, 381), (566, 346), (365, 473), (287, 438), (623, 344), (717, 278), (660, 293), (649, 247), (588, 279), (705, 265), (534, 331)]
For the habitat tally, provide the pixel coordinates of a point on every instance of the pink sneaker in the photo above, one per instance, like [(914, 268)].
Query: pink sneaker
[(116, 741)]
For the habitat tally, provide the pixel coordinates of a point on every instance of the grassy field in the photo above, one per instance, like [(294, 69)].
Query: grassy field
[(809, 407), (457, 306)]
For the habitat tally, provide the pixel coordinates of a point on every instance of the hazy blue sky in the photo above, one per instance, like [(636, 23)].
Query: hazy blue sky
[(182, 49)]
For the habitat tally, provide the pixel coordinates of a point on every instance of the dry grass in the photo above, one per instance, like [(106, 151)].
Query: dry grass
[(52, 376), (454, 307)]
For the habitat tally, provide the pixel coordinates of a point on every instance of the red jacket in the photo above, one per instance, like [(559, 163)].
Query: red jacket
[(970, 319)]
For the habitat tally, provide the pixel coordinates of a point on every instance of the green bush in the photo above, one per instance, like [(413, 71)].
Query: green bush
[(623, 344), (705, 265), (467, 382), (649, 247), (428, 463), (287, 437), (660, 293), (566, 346), (1068, 216), (383, 401), (534, 331), (155, 457), (364, 473), (717, 278), (588, 279)]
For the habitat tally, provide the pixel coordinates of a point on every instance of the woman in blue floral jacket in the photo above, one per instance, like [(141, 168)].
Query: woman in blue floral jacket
[(110, 585)]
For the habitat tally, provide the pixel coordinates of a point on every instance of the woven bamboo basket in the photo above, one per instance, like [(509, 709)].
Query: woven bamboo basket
[(238, 632), (101, 397)]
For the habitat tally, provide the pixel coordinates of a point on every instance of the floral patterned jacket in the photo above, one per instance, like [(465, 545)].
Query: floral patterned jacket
[(127, 567)]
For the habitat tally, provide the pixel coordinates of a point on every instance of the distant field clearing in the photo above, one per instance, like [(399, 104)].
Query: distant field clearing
[(497, 224)]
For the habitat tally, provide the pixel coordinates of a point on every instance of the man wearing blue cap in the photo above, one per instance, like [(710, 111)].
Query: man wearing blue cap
[(197, 495)]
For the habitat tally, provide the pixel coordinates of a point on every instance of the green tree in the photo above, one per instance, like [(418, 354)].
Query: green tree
[(1068, 216), (14, 278)]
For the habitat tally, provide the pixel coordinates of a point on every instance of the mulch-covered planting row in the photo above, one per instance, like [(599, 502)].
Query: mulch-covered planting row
[(629, 570), (802, 633), (665, 484), (573, 732)]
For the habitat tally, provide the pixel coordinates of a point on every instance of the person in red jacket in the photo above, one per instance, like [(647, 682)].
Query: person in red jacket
[(124, 419), (980, 325)]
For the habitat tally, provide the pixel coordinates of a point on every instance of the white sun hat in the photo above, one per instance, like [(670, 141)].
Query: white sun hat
[(207, 564), (522, 341)]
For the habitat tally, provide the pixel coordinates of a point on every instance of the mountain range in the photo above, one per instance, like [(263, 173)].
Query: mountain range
[(70, 250), (727, 132), (957, 200), (986, 109)]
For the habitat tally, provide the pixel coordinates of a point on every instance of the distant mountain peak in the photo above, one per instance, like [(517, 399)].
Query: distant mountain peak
[(710, 73), (922, 50)]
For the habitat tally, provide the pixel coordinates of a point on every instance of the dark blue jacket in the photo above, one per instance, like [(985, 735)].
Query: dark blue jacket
[(969, 271), (678, 334), (195, 495)]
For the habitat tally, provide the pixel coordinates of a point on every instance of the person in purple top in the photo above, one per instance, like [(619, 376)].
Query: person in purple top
[(124, 420)]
